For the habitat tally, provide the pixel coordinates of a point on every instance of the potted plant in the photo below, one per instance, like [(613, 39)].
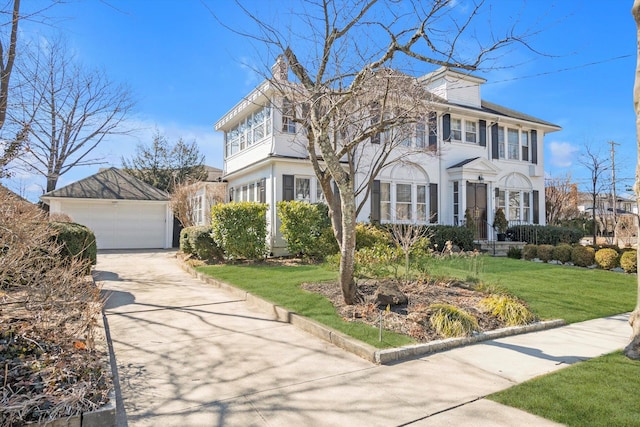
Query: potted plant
[(501, 224)]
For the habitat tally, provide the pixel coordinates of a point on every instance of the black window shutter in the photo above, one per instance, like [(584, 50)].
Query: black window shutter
[(287, 187), (536, 207), (446, 127), (497, 190), (534, 147), (262, 191), (495, 153), (433, 203), (432, 124), (375, 201), (483, 133)]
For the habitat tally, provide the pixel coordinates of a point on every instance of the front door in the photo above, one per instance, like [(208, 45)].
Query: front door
[(477, 208)]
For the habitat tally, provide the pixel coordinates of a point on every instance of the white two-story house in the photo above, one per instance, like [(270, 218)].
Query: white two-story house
[(471, 156)]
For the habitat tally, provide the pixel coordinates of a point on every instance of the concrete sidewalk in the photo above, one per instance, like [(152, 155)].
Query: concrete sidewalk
[(189, 354)]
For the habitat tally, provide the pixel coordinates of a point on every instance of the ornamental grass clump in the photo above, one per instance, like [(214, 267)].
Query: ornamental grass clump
[(450, 321), (508, 310)]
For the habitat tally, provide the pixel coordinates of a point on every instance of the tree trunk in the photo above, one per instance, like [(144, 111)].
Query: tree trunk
[(633, 349), (348, 249)]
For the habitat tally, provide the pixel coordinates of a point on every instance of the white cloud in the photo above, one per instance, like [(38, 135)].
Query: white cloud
[(562, 154)]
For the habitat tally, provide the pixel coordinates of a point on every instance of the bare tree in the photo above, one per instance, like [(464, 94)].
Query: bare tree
[(165, 165), (632, 350), (71, 110), (183, 200), (354, 108), (597, 165), (561, 199)]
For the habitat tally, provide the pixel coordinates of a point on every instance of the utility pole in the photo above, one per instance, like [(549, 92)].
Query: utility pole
[(613, 189)]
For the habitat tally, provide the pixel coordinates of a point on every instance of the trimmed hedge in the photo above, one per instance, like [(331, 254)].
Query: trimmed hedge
[(530, 252), (459, 236), (76, 241), (544, 234), (307, 229), (629, 261), (545, 252), (562, 253), (583, 256), (197, 241), (607, 258), (240, 229)]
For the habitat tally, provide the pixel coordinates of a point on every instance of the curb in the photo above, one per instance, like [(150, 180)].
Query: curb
[(363, 350)]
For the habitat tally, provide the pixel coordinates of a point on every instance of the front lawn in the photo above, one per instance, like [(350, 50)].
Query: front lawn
[(281, 285), (551, 291), (598, 392)]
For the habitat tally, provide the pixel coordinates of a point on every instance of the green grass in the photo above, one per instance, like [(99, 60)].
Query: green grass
[(551, 291), (598, 392), (281, 285)]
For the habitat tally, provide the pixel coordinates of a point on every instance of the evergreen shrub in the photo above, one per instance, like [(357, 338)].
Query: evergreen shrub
[(545, 252), (607, 258), (562, 253), (307, 229), (629, 261), (530, 252), (240, 229), (461, 237), (77, 241), (583, 256)]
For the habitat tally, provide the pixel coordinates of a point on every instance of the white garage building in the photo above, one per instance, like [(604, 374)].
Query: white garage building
[(122, 211)]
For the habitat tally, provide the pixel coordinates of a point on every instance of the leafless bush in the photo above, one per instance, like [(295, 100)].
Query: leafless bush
[(60, 217), (48, 313)]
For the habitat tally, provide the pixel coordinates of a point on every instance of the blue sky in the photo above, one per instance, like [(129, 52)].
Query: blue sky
[(186, 71)]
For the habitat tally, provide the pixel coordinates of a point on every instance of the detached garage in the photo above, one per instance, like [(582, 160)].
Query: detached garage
[(122, 211)]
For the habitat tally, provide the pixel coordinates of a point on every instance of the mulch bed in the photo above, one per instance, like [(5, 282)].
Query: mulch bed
[(44, 373), (409, 319)]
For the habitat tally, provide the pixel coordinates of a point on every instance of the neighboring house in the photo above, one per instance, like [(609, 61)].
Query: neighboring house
[(621, 226), (207, 193), (122, 211), (471, 155)]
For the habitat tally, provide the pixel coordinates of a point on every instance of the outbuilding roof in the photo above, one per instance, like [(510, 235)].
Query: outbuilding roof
[(109, 184)]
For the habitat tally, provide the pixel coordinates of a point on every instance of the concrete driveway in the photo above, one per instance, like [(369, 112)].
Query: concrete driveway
[(189, 354)]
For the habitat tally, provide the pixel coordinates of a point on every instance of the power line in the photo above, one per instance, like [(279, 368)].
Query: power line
[(561, 70)]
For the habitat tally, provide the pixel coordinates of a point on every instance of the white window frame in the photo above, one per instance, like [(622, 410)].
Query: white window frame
[(501, 142), (456, 132), (411, 210), (288, 125), (301, 191), (252, 129), (513, 144), (471, 131)]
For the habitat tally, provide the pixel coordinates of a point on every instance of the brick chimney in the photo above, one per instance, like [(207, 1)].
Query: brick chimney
[(280, 70)]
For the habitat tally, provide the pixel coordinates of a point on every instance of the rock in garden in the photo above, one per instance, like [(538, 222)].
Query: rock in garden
[(388, 293)]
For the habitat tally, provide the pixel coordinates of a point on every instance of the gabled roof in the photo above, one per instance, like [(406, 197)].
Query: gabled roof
[(462, 163), (109, 184)]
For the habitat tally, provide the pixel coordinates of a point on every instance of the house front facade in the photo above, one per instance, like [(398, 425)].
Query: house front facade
[(467, 158)]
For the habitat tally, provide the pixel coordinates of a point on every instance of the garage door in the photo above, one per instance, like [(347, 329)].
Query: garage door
[(121, 225)]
